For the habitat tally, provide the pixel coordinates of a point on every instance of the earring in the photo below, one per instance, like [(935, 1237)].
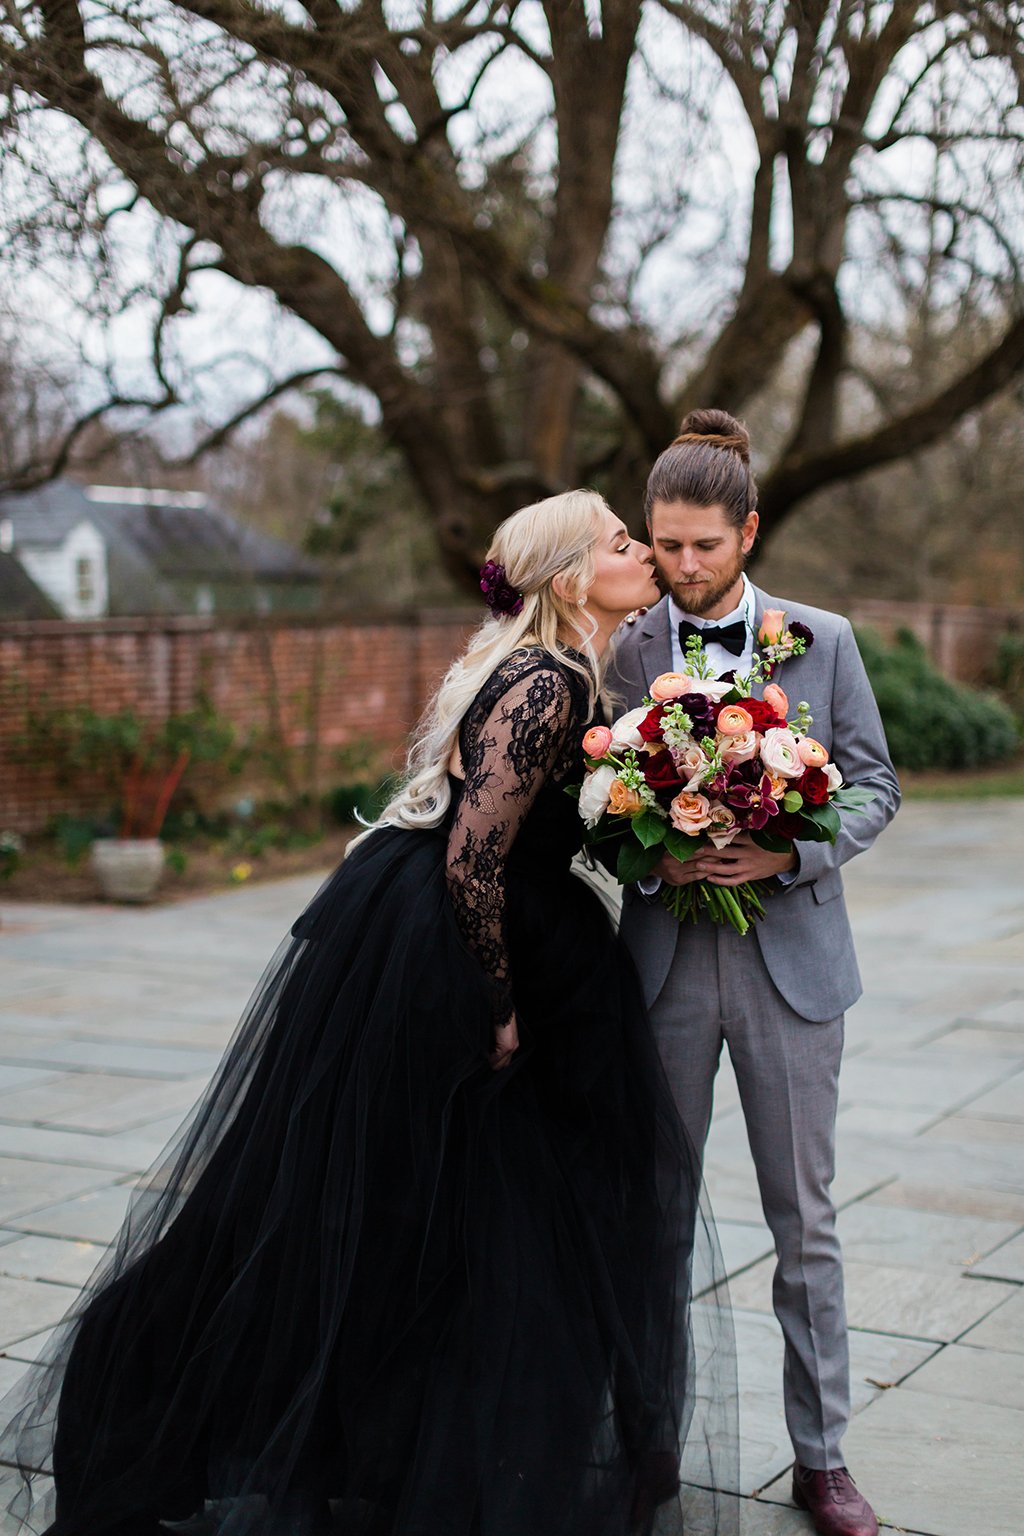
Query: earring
[(581, 602)]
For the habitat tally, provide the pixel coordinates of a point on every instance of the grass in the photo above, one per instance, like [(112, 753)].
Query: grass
[(1003, 782)]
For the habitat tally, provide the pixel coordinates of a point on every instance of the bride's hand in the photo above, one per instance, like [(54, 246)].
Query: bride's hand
[(506, 1043)]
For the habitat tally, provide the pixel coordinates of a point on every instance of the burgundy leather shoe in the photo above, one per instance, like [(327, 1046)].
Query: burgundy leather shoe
[(833, 1503)]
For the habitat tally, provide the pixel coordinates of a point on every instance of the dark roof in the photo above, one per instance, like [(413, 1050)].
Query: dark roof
[(187, 540), (47, 514), (20, 598)]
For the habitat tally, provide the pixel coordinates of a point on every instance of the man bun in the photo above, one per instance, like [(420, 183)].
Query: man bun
[(716, 429)]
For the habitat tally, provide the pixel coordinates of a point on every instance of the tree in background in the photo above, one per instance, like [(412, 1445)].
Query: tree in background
[(533, 234)]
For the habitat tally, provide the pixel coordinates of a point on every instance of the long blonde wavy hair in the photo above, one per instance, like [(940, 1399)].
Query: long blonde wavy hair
[(553, 537)]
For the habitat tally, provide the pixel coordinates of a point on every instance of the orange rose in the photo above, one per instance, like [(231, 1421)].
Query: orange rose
[(780, 786), (773, 626), (733, 720), (811, 753), (670, 685), (690, 813), (623, 801), (776, 699), (597, 741)]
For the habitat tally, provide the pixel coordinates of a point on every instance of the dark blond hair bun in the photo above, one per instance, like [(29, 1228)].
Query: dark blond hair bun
[(716, 429)]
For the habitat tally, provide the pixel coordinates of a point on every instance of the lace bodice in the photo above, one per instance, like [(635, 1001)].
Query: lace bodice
[(520, 736)]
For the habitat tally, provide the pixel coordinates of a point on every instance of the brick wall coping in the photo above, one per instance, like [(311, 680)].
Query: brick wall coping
[(360, 618)]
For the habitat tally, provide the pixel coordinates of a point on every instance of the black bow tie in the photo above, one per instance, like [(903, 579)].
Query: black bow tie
[(732, 636)]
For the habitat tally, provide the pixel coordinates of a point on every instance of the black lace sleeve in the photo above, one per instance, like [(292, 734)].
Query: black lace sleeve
[(512, 738)]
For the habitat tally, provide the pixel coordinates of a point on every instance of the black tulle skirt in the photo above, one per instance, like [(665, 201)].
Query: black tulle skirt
[(374, 1287)]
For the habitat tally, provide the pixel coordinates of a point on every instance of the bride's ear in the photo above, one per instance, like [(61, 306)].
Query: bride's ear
[(560, 587)]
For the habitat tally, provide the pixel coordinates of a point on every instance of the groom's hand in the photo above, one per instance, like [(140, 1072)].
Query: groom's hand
[(675, 872), (743, 860)]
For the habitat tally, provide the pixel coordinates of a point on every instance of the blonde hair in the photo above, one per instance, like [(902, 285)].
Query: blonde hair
[(555, 537)]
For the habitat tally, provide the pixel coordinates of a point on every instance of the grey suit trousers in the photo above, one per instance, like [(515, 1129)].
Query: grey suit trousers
[(787, 1069)]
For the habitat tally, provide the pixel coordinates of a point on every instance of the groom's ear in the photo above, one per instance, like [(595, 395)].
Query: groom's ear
[(749, 532)]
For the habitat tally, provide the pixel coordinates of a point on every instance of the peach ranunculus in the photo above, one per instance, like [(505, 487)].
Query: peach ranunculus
[(780, 786), (724, 826), (734, 720), (670, 685), (623, 801), (740, 749), (773, 626), (597, 741), (812, 753), (690, 813), (779, 753), (776, 699)]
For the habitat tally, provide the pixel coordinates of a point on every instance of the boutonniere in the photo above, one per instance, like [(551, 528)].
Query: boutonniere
[(779, 640)]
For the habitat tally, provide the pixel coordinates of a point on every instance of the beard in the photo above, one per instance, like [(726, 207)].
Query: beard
[(697, 600)]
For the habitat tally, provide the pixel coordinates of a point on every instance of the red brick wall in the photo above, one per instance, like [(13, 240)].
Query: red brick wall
[(375, 673)]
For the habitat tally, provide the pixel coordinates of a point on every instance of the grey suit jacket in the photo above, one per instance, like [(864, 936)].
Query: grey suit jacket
[(805, 937)]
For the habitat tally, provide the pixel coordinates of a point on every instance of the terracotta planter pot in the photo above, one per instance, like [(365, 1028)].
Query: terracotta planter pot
[(128, 869)]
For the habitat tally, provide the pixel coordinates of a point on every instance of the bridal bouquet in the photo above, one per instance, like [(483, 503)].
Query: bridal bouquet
[(699, 762)]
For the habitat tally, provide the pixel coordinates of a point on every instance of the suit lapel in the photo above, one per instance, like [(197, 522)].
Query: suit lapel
[(655, 645)]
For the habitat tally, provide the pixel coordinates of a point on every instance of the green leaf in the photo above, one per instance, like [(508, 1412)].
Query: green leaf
[(649, 827), (792, 800), (853, 798), (680, 846), (826, 817), (635, 862), (573, 791)]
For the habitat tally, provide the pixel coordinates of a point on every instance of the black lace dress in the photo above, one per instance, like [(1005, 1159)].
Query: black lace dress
[(375, 1287)]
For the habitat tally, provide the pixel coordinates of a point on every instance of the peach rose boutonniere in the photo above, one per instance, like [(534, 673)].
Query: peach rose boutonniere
[(779, 640)]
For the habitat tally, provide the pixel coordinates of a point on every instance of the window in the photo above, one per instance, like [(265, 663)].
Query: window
[(85, 580)]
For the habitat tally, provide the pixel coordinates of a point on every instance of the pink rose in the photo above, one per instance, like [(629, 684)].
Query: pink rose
[(724, 826), (779, 754), (740, 749), (670, 685), (773, 626), (812, 753), (691, 762), (597, 741), (690, 813), (734, 720), (776, 699)]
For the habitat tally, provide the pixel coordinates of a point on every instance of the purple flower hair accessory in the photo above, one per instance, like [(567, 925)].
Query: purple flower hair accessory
[(499, 595)]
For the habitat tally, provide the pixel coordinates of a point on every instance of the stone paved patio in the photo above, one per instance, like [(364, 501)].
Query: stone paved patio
[(106, 1037)]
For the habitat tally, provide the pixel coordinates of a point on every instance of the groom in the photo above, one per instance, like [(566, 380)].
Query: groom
[(777, 996)]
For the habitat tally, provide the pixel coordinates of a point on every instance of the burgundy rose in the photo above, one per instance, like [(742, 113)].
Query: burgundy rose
[(650, 725), (788, 824), (762, 714), (702, 711), (752, 803), (801, 632), (813, 785), (662, 774)]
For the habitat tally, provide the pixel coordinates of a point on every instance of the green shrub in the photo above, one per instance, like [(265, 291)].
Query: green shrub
[(931, 722), (363, 800), (1008, 672)]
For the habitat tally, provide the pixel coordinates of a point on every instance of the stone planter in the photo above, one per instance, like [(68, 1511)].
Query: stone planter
[(128, 868)]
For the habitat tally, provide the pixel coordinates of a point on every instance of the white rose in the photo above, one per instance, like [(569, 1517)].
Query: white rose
[(624, 731), (711, 688), (594, 794), (739, 749), (779, 753), (835, 778)]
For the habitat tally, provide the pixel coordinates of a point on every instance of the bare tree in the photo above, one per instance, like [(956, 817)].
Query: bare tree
[(412, 179)]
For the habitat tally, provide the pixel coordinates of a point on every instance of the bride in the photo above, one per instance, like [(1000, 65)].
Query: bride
[(420, 1261)]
